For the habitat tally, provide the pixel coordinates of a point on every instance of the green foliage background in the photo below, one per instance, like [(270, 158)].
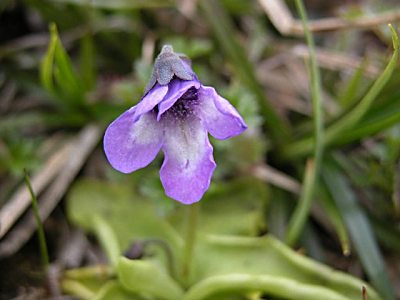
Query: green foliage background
[(341, 147)]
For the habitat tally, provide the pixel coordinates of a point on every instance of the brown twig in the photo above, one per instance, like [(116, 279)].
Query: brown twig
[(282, 18)]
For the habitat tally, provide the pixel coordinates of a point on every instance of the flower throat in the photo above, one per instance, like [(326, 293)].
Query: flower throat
[(185, 105)]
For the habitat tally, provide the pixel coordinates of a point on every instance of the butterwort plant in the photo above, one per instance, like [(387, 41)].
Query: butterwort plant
[(175, 115)]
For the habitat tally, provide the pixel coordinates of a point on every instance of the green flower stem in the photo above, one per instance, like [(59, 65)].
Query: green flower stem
[(299, 218), (190, 240), (42, 239)]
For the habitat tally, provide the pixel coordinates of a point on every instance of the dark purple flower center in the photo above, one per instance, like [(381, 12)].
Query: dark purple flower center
[(185, 105)]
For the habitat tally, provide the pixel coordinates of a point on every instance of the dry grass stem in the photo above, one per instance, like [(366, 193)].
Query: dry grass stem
[(276, 72), (277, 178), (83, 145), (282, 18), (337, 61), (21, 200)]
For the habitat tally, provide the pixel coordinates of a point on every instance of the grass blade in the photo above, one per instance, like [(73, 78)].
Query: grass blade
[(56, 67), (42, 238), (64, 73), (336, 219), (370, 126), (351, 91), (359, 228), (46, 67), (87, 66), (354, 116)]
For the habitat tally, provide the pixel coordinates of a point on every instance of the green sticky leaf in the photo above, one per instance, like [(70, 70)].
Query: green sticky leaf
[(130, 216), (113, 290), (107, 238), (256, 259), (244, 214), (95, 283), (85, 283), (243, 264), (77, 289), (145, 277), (271, 285)]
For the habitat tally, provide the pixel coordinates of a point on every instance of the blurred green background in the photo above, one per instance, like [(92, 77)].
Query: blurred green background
[(70, 67)]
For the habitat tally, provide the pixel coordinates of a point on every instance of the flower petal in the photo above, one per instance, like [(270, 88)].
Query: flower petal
[(131, 145), (219, 117), (150, 100), (176, 89), (188, 163)]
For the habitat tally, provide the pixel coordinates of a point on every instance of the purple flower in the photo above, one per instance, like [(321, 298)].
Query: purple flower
[(174, 116)]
